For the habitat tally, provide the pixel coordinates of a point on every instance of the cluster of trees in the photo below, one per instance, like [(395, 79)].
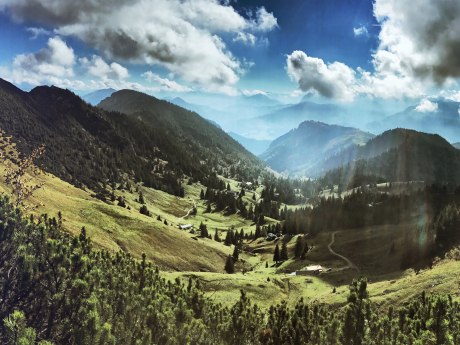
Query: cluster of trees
[(58, 288)]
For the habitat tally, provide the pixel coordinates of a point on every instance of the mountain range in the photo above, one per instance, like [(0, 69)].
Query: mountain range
[(94, 98), (255, 146), (143, 138), (301, 151)]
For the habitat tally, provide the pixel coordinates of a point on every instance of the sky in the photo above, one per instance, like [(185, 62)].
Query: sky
[(333, 51)]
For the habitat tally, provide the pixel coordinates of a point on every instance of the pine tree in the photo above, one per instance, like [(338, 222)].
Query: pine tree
[(236, 253), (141, 198), (276, 254), (229, 265), (144, 210), (284, 252), (203, 230), (217, 237), (202, 194), (299, 247)]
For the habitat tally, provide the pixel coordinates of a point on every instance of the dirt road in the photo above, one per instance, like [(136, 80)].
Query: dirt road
[(348, 261)]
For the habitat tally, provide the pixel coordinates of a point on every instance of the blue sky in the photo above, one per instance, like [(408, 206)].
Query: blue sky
[(333, 51)]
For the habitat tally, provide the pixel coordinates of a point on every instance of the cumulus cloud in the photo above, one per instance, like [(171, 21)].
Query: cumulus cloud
[(419, 48), (165, 83), (264, 21), (334, 80), (426, 106), (183, 36), (360, 31), (97, 67), (52, 64), (421, 41)]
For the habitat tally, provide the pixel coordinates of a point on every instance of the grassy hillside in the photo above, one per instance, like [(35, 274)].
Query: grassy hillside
[(117, 228)]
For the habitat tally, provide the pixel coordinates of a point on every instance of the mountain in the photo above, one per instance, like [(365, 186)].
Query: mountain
[(456, 145), (94, 98), (444, 121), (299, 151), (397, 155), (281, 119), (88, 146), (254, 146)]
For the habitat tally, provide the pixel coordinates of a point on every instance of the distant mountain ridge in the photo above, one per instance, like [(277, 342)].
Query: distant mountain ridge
[(254, 146), (94, 98), (301, 150), (445, 120)]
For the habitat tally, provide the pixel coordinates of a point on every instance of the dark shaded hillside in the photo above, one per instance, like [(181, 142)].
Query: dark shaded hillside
[(399, 155), (90, 147), (192, 137), (301, 150)]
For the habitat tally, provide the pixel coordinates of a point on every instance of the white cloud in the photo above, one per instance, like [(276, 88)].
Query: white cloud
[(360, 31), (165, 84), (253, 92), (245, 38), (334, 80), (264, 20), (53, 64), (97, 67), (36, 32), (426, 106), (422, 41), (184, 36)]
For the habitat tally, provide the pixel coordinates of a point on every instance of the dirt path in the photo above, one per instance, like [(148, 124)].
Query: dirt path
[(348, 261), (189, 211)]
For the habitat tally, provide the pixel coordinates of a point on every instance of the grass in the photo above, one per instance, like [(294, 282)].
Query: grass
[(376, 251)]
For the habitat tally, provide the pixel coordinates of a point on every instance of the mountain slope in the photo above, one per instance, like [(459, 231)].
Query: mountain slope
[(252, 145), (398, 155), (91, 147), (94, 98), (300, 151), (445, 120), (456, 145), (196, 137)]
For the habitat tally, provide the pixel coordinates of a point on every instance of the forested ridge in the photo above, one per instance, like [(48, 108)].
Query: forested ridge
[(58, 288), (90, 147)]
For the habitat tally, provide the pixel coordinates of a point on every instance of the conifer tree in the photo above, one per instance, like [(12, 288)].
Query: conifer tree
[(284, 252), (141, 198), (276, 255), (236, 253), (229, 265)]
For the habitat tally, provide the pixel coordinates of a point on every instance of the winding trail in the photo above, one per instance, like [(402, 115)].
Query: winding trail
[(189, 211), (348, 261)]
